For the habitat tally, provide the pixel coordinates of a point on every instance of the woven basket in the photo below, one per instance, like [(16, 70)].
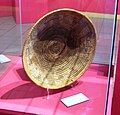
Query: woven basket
[(59, 48)]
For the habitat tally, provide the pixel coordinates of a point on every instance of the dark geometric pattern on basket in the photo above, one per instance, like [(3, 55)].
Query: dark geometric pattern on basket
[(59, 49)]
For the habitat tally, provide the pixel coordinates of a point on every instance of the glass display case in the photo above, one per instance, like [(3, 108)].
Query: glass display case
[(18, 94)]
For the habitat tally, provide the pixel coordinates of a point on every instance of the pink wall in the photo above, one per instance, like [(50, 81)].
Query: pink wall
[(5, 8), (35, 9), (15, 11), (32, 10), (99, 6), (13, 8)]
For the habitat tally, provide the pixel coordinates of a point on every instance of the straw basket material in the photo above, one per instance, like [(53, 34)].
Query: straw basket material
[(59, 48)]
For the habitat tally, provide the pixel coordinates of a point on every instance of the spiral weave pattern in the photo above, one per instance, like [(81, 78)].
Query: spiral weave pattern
[(59, 48)]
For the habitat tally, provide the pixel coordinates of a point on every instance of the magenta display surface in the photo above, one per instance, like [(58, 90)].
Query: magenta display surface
[(19, 93)]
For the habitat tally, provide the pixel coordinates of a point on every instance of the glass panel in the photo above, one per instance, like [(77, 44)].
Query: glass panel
[(14, 29), (114, 61), (10, 43)]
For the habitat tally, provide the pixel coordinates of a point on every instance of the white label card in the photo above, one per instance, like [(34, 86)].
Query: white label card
[(75, 99), (4, 59)]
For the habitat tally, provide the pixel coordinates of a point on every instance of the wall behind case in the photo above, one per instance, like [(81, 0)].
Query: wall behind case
[(37, 8)]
